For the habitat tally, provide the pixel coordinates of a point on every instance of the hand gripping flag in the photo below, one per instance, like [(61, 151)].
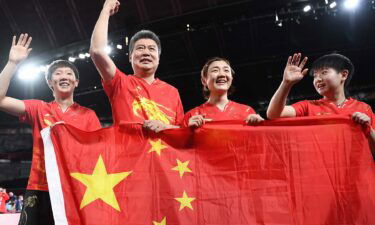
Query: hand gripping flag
[(288, 171)]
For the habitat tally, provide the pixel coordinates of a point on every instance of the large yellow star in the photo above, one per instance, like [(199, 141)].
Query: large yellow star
[(185, 201), (182, 167), (163, 222), (156, 146), (100, 185)]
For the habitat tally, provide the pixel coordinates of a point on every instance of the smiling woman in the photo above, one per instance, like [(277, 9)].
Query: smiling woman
[(217, 76)]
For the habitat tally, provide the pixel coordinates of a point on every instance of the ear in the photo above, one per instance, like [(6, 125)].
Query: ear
[(76, 83), (204, 81), (49, 83), (344, 74)]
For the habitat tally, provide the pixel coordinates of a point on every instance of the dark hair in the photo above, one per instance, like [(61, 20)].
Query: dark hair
[(144, 34), (204, 71), (337, 62), (60, 64)]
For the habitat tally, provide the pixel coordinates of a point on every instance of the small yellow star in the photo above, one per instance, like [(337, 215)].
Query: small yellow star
[(182, 167), (156, 146), (100, 185), (185, 201), (163, 222)]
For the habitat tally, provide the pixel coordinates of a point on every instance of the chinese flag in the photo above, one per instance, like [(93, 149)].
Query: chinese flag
[(288, 171)]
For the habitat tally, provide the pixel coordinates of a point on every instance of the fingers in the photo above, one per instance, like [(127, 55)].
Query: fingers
[(304, 72), (28, 42), (361, 118), (288, 63), (20, 39), (295, 60), (153, 125), (253, 119), (303, 63), (24, 39), (14, 40), (197, 121)]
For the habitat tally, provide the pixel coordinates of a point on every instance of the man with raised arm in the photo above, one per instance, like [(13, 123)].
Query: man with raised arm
[(140, 97)]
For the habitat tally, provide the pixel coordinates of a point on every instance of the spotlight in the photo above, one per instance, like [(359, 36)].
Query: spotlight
[(119, 46), (307, 8), (72, 59), (126, 40), (332, 5), (326, 1), (28, 72), (278, 22), (108, 49), (81, 56), (351, 4), (87, 55)]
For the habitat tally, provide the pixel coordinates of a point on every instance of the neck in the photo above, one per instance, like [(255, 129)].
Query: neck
[(64, 102), (220, 100), (148, 77), (336, 98)]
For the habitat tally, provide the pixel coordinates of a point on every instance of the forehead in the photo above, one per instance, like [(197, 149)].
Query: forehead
[(324, 68), (63, 69), (145, 41), (220, 64)]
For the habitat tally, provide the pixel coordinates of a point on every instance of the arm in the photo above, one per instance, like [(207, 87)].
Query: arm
[(99, 39), (18, 52), (293, 73)]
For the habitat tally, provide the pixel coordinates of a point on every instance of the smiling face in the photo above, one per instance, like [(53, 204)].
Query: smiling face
[(144, 57), (328, 81), (218, 78), (63, 81)]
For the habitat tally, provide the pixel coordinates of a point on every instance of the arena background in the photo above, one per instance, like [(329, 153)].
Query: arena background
[(255, 35)]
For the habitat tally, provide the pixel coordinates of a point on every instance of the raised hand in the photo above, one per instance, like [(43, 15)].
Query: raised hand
[(112, 6), (20, 49), (294, 71)]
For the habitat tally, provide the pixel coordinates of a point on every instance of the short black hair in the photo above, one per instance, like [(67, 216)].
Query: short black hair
[(60, 64), (335, 61), (144, 34)]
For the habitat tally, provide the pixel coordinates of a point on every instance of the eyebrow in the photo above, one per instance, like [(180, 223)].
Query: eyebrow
[(217, 67)]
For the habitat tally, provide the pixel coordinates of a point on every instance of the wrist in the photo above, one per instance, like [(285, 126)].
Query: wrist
[(12, 63)]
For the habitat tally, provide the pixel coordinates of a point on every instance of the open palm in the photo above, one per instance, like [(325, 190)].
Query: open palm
[(294, 71), (20, 49)]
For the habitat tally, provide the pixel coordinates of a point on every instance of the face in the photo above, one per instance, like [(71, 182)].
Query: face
[(219, 77), (63, 81), (145, 56), (328, 81)]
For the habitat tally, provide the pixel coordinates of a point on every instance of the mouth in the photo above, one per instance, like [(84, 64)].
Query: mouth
[(221, 81), (320, 86), (64, 84), (146, 61)]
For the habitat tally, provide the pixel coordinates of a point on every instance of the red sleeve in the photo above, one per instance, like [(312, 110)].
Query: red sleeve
[(185, 121), (250, 110), (179, 111), (31, 111), (111, 87), (301, 108), (370, 113), (193, 112)]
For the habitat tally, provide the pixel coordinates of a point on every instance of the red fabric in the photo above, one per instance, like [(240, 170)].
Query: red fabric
[(39, 115), (3, 198), (316, 171), (232, 111), (324, 107), (134, 100)]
